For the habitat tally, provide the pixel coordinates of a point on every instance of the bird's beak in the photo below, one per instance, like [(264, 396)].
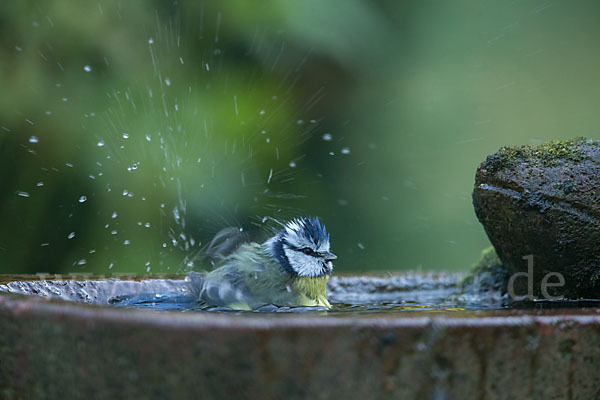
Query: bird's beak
[(329, 256)]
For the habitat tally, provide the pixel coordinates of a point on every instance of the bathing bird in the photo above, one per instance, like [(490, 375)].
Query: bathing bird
[(289, 269)]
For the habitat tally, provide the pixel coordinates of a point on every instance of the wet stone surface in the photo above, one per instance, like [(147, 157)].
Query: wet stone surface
[(50, 348), (544, 201)]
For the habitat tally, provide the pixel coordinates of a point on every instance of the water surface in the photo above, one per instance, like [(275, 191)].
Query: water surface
[(405, 292)]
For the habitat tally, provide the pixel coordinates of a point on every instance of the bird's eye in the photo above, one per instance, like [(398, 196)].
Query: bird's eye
[(308, 251)]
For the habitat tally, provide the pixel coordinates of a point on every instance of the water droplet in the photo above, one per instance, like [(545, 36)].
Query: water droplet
[(87, 68), (83, 261), (300, 122), (114, 232), (167, 81), (71, 235), (292, 164), (148, 138), (164, 245), (114, 215), (44, 244), (39, 184), (125, 192), (150, 41), (23, 194), (111, 265), (126, 242), (34, 139), (125, 135), (360, 245), (64, 99), (327, 137), (69, 165), (147, 224), (345, 150), (261, 112), (100, 143), (82, 199)]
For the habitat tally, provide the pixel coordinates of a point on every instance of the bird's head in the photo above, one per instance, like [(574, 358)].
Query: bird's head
[(302, 248)]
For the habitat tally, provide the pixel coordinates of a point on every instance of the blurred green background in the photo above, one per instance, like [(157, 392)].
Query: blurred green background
[(133, 131)]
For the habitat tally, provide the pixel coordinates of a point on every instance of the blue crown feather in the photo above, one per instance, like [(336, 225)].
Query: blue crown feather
[(310, 228)]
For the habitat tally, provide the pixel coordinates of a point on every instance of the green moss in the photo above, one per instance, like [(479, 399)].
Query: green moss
[(488, 274), (547, 155)]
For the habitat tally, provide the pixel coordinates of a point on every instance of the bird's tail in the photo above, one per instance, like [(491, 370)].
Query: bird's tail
[(196, 282), (217, 292)]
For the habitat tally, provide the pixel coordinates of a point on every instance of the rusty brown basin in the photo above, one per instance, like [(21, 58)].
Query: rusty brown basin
[(61, 349)]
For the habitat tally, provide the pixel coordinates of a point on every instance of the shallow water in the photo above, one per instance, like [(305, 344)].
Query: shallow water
[(409, 293), (406, 292)]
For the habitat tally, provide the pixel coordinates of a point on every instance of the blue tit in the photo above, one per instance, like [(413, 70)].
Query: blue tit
[(290, 269)]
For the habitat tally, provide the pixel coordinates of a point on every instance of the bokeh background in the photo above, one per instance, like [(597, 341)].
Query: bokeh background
[(132, 131)]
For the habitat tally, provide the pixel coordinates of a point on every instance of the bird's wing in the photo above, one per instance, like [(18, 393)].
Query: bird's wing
[(225, 242), (246, 280), (226, 287)]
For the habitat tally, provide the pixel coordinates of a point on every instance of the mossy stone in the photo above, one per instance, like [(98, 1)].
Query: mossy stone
[(544, 201)]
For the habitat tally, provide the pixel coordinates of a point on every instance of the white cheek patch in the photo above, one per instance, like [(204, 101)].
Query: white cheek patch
[(303, 264)]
